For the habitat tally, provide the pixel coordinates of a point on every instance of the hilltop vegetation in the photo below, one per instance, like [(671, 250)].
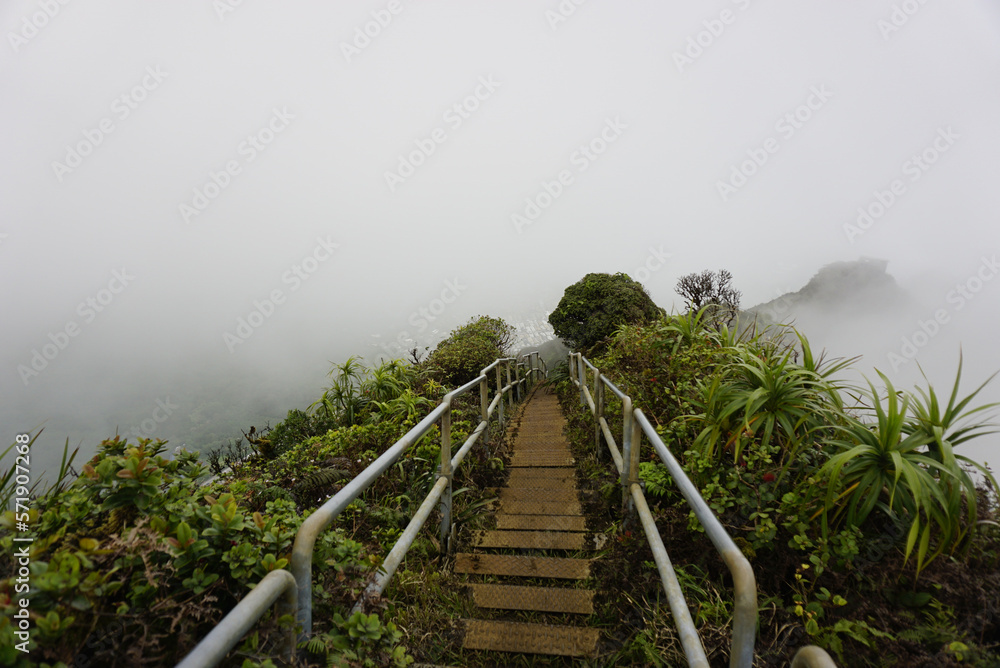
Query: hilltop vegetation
[(866, 527), (862, 519), (137, 558)]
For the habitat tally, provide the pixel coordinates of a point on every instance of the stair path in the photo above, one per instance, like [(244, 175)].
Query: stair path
[(539, 510)]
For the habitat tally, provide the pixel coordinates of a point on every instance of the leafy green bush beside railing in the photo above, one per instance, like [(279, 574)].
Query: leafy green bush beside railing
[(813, 477)]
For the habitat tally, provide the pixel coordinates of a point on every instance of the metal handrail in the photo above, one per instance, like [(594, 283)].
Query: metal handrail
[(744, 582), (214, 647), (634, 425), (223, 637)]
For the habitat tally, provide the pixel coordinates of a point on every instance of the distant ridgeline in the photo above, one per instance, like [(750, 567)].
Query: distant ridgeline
[(859, 287)]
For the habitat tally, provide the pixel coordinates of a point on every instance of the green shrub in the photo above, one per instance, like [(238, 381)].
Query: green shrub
[(594, 307), (468, 349)]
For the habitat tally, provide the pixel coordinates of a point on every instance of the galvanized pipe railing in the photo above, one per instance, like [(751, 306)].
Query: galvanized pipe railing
[(578, 373), (634, 425), (322, 517), (214, 647), (442, 489), (744, 582), (223, 637)]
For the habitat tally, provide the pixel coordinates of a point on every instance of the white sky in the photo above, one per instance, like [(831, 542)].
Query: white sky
[(679, 128)]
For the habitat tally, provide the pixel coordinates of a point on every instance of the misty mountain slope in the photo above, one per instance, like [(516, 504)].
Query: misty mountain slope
[(859, 288), (553, 352), (843, 308)]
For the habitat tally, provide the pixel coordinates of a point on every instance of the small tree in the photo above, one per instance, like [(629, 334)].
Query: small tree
[(594, 307), (708, 288), (459, 358)]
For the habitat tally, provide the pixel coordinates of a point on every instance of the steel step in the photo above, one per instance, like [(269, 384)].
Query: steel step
[(527, 638), (541, 522), (534, 599), (539, 540), (525, 567), (512, 507)]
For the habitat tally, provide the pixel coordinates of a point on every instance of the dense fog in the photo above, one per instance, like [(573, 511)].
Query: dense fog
[(204, 204)]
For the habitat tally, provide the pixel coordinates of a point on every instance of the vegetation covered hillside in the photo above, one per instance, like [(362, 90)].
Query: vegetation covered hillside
[(862, 520), (865, 526), (138, 557)]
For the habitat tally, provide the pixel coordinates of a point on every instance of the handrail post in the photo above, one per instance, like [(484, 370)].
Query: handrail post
[(627, 421), (484, 406), (507, 365), (633, 465), (583, 378), (598, 413), (500, 394), (446, 498)]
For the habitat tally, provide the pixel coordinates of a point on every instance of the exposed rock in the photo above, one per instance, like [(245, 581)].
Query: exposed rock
[(862, 286)]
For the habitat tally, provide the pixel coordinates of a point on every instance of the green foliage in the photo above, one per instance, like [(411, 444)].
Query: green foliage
[(133, 536), (126, 476), (906, 465), (469, 349), (945, 429), (656, 477), (360, 640), (138, 558), (760, 397), (832, 637), (297, 427), (594, 307), (805, 485), (407, 407)]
